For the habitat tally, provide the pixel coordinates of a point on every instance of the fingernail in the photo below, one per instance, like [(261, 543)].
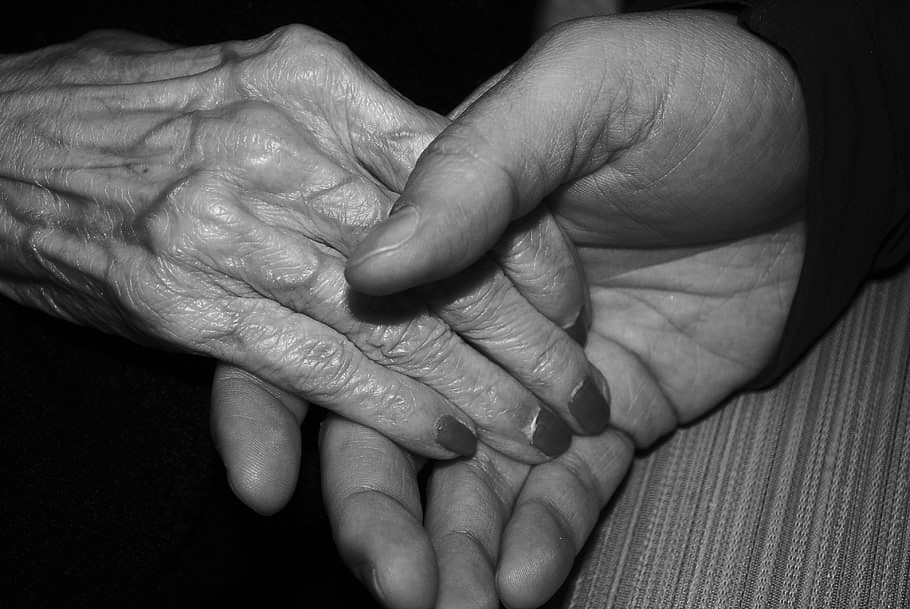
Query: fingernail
[(370, 579), (551, 436), (578, 330), (400, 227), (455, 436), (590, 403)]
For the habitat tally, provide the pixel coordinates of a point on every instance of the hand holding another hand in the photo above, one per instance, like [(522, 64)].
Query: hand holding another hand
[(672, 150), (673, 330), (205, 199), (642, 130)]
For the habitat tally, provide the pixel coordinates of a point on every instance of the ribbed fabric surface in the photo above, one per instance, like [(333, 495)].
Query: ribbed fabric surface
[(795, 497)]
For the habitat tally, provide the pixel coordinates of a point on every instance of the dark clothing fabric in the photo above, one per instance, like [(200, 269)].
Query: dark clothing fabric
[(852, 60)]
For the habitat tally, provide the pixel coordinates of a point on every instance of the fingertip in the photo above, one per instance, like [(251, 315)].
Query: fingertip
[(578, 329), (457, 203), (388, 551), (537, 556), (399, 569), (264, 494), (262, 464), (258, 438), (590, 402), (411, 248), (551, 435), (370, 267), (455, 436), (402, 584)]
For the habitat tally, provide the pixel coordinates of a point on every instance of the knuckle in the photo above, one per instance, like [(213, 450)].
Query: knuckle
[(420, 342), (351, 206), (252, 140), (484, 470), (330, 363), (296, 38), (548, 358), (480, 292), (308, 49), (90, 53), (579, 472), (488, 299), (192, 218), (294, 278)]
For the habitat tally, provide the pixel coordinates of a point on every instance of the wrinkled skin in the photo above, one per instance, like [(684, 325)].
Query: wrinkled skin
[(674, 331), (680, 177), (205, 200)]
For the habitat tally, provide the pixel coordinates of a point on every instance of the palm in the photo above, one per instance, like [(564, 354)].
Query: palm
[(680, 329)]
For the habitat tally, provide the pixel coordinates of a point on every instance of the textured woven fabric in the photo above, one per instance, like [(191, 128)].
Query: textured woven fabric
[(795, 497)]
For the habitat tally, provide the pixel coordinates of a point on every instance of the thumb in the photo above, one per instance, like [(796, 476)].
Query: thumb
[(516, 143)]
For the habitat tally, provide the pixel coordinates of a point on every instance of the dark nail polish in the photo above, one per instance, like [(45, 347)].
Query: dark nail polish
[(453, 435), (590, 404), (578, 330), (551, 436)]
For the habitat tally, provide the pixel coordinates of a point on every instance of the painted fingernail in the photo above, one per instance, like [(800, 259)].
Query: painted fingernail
[(578, 330), (400, 227), (590, 403), (455, 436), (551, 436)]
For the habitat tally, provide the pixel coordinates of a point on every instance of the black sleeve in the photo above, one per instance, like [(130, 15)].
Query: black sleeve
[(852, 59)]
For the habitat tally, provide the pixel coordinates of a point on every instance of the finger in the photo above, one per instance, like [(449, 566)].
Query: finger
[(494, 164), (558, 506), (544, 267), (483, 305), (528, 347), (309, 74), (118, 41), (399, 340), (314, 361), (468, 503), (373, 503), (239, 261), (117, 57), (256, 429), (478, 93), (389, 143), (395, 341), (640, 407), (524, 343)]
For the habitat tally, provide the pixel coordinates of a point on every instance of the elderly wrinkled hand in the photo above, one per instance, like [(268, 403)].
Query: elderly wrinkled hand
[(205, 199)]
